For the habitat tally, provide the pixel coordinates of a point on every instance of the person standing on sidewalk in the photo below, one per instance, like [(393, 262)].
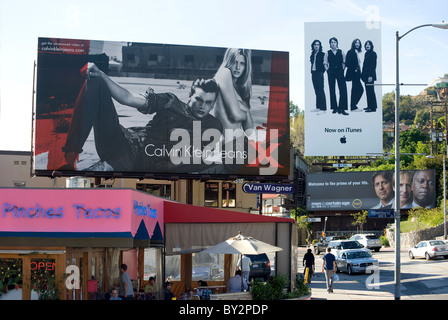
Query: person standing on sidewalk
[(329, 268), (308, 262)]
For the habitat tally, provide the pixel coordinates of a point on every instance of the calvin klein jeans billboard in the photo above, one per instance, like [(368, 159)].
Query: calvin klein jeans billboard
[(343, 107), (370, 190), (140, 108)]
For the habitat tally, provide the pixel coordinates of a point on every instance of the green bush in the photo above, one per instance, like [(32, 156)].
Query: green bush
[(275, 289), (384, 241)]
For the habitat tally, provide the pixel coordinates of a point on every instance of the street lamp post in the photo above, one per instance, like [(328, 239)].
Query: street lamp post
[(442, 25)]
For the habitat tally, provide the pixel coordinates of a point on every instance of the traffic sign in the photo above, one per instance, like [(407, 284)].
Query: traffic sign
[(381, 213)]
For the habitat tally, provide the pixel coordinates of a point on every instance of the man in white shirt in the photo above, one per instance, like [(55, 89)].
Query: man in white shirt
[(245, 267)]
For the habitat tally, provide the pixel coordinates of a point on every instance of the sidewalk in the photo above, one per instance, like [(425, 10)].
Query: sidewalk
[(346, 290)]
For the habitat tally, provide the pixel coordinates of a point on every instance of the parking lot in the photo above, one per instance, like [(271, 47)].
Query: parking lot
[(420, 279)]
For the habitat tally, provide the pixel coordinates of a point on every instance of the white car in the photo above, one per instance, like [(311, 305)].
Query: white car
[(429, 249), (354, 260), (369, 241), (337, 246)]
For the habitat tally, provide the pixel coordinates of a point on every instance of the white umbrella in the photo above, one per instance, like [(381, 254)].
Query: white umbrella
[(242, 245)]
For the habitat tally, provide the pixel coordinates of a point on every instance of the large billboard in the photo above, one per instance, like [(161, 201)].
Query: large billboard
[(343, 100), (367, 190), (156, 110)]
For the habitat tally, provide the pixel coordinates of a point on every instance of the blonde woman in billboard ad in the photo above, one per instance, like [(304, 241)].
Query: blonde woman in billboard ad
[(234, 78)]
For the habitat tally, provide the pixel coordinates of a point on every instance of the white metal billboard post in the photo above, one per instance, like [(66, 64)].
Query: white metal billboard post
[(442, 25)]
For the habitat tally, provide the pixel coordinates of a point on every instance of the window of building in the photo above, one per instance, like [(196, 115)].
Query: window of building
[(159, 190), (208, 267), (211, 194), (228, 195), (19, 184)]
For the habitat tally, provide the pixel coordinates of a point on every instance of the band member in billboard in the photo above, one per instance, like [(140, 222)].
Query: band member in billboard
[(353, 62), (382, 182), (126, 149), (317, 75), (335, 65), (423, 189), (368, 75)]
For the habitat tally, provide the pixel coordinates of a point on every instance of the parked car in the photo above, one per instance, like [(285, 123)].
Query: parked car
[(339, 245), (261, 266), (322, 245), (369, 241), (429, 249), (357, 260)]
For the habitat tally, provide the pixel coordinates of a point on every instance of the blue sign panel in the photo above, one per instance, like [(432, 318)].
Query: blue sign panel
[(381, 213), (268, 188)]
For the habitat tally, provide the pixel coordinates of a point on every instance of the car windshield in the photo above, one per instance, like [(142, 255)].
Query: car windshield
[(351, 245), (358, 254), (437, 243), (372, 237)]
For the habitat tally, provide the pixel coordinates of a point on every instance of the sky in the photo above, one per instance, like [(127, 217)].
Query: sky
[(256, 24)]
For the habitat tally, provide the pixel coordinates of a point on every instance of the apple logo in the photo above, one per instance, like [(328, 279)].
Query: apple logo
[(343, 139)]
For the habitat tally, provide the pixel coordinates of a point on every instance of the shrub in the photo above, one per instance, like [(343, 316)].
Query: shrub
[(275, 289)]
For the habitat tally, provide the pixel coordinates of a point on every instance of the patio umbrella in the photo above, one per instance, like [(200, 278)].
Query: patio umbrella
[(242, 245)]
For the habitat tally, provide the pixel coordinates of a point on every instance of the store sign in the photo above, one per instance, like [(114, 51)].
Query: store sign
[(268, 188), (79, 211), (42, 266), (141, 210)]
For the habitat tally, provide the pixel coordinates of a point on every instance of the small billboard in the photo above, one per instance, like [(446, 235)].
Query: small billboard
[(370, 190)]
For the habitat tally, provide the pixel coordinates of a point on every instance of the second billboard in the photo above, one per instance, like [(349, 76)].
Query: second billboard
[(343, 101), (366, 190)]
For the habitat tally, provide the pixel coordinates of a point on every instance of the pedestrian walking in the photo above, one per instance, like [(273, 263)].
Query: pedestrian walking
[(308, 262), (329, 268)]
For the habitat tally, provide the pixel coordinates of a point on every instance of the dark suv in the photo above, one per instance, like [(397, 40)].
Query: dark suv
[(261, 266)]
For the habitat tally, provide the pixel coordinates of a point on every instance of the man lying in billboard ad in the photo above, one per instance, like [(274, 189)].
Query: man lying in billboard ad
[(373, 190), (107, 107)]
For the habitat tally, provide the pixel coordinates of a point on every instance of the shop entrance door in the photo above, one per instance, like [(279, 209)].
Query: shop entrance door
[(90, 265), (31, 274)]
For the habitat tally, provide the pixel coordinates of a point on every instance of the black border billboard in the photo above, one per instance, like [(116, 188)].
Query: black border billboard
[(370, 190), (83, 127)]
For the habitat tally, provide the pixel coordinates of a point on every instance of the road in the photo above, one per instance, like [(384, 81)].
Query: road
[(420, 279)]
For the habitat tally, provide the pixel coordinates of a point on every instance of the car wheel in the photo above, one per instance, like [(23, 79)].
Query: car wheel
[(349, 270), (427, 256), (316, 251), (411, 255)]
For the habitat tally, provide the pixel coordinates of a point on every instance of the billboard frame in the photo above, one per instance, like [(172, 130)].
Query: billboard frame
[(277, 84)]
